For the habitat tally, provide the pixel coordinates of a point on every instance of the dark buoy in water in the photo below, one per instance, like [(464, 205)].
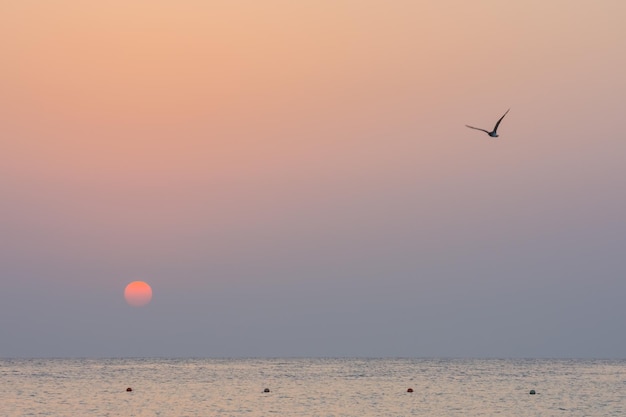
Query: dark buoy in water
[(129, 389), (266, 390), (409, 390), (532, 392)]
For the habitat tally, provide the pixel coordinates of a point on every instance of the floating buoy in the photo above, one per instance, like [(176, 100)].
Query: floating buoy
[(532, 392), (409, 390), (266, 390), (129, 389)]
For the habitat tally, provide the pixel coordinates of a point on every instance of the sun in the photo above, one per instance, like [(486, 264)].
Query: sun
[(138, 293)]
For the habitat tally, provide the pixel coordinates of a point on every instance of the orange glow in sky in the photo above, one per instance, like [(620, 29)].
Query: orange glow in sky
[(307, 162), (138, 294)]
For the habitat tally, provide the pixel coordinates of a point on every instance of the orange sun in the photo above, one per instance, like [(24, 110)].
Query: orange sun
[(138, 293)]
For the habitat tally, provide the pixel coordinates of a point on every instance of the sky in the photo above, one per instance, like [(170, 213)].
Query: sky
[(296, 179)]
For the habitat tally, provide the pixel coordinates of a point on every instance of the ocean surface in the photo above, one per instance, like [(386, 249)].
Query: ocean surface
[(311, 387)]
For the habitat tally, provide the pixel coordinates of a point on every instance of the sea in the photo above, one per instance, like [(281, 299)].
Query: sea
[(312, 387)]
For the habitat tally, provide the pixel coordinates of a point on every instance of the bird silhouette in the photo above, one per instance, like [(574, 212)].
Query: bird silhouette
[(494, 132)]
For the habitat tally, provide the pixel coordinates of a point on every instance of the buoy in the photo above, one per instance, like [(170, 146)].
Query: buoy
[(129, 389), (409, 390), (532, 392), (266, 390)]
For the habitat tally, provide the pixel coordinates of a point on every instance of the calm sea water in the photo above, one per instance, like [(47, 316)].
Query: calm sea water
[(311, 387)]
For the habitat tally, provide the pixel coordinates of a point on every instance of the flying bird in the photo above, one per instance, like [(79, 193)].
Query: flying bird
[(494, 132)]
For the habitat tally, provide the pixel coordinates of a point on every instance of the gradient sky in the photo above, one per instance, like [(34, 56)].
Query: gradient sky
[(294, 178)]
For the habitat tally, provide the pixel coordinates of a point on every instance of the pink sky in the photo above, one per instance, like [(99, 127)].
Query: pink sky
[(309, 160)]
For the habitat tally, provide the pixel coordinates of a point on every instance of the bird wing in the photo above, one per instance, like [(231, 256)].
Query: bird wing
[(477, 128), (498, 123)]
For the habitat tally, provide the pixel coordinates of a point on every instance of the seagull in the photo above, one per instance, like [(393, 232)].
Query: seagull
[(494, 132)]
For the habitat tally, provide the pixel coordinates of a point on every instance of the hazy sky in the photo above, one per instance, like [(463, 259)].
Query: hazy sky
[(294, 178)]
